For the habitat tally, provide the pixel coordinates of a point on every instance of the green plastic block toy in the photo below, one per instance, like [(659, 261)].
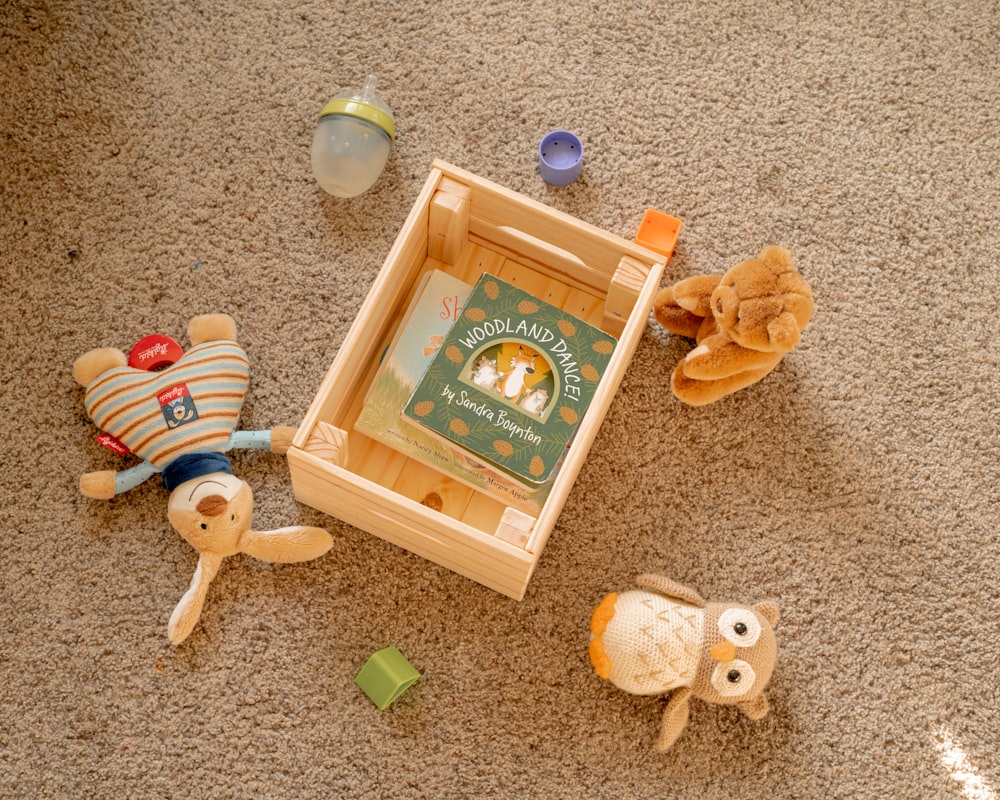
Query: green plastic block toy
[(385, 676)]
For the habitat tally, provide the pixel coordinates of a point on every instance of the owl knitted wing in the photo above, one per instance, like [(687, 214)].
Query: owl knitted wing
[(675, 717), (670, 588)]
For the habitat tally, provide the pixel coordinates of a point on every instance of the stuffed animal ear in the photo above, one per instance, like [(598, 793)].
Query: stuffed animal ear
[(675, 717), (95, 362), (670, 588), (777, 259), (188, 610), (768, 610), (286, 545), (783, 332), (755, 709), (212, 328)]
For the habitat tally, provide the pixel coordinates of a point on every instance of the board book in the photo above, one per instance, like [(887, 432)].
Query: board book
[(512, 380), (436, 306)]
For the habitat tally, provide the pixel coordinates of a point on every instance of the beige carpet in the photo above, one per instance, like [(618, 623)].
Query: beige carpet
[(155, 165)]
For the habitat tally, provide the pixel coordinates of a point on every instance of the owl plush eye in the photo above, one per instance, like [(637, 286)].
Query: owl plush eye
[(733, 678), (739, 626)]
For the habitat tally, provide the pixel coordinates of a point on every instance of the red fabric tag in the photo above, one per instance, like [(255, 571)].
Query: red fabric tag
[(110, 442)]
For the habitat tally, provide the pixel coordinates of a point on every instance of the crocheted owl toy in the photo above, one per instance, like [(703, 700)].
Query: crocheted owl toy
[(743, 322), (181, 421), (663, 637)]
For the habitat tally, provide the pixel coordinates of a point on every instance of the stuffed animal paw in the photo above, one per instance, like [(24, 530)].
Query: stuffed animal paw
[(663, 637), (742, 322)]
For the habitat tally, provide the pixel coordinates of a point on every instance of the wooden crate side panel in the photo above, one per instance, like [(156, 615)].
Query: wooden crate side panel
[(588, 243), (474, 261), (589, 427), (462, 549), (433, 489), (538, 255), (381, 308), (534, 282)]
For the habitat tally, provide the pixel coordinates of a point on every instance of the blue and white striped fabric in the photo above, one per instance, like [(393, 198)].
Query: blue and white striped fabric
[(190, 407)]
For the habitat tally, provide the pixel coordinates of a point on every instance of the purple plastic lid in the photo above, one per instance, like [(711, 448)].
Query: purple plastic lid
[(560, 158)]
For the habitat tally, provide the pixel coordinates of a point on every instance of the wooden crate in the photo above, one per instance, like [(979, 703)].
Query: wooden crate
[(465, 226)]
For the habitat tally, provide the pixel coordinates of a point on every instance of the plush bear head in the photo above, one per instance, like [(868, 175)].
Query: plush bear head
[(763, 303), (743, 322)]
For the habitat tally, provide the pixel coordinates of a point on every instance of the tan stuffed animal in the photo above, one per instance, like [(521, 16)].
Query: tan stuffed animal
[(663, 637), (181, 422), (743, 323)]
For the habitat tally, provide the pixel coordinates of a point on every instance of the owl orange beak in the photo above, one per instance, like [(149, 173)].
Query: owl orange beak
[(723, 651)]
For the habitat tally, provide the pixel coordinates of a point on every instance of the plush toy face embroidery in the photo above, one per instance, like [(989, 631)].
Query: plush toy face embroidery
[(741, 652)]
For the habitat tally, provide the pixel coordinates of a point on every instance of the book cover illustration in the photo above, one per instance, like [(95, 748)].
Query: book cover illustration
[(436, 306), (512, 379)]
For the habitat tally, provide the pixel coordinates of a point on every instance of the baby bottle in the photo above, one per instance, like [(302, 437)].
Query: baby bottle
[(351, 144)]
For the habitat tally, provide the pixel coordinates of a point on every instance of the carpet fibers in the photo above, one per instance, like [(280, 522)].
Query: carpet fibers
[(155, 165)]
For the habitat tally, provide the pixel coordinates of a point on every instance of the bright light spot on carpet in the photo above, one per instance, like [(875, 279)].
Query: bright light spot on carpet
[(960, 768)]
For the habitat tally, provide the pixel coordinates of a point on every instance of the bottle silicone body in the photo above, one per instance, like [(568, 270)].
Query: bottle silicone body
[(352, 141)]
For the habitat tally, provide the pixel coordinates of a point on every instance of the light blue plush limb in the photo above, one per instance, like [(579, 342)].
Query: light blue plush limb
[(238, 440), (249, 440), (132, 477)]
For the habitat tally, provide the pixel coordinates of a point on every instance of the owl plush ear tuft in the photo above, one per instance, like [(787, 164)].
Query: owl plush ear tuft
[(768, 610)]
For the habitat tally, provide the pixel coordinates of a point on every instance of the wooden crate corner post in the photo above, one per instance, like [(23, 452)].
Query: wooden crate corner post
[(448, 221), (623, 292)]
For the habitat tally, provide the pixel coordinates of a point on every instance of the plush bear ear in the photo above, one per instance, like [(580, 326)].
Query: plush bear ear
[(212, 328), (777, 259), (96, 362), (756, 708), (768, 610)]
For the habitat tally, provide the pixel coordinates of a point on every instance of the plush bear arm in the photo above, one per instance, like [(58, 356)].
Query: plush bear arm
[(674, 318), (105, 484), (719, 356), (98, 485), (694, 294), (276, 440), (675, 717)]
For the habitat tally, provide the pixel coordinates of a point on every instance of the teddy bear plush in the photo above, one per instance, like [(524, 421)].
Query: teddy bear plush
[(181, 421), (663, 637), (742, 322)]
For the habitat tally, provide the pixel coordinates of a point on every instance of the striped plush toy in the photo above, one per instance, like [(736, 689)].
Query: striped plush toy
[(181, 421)]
